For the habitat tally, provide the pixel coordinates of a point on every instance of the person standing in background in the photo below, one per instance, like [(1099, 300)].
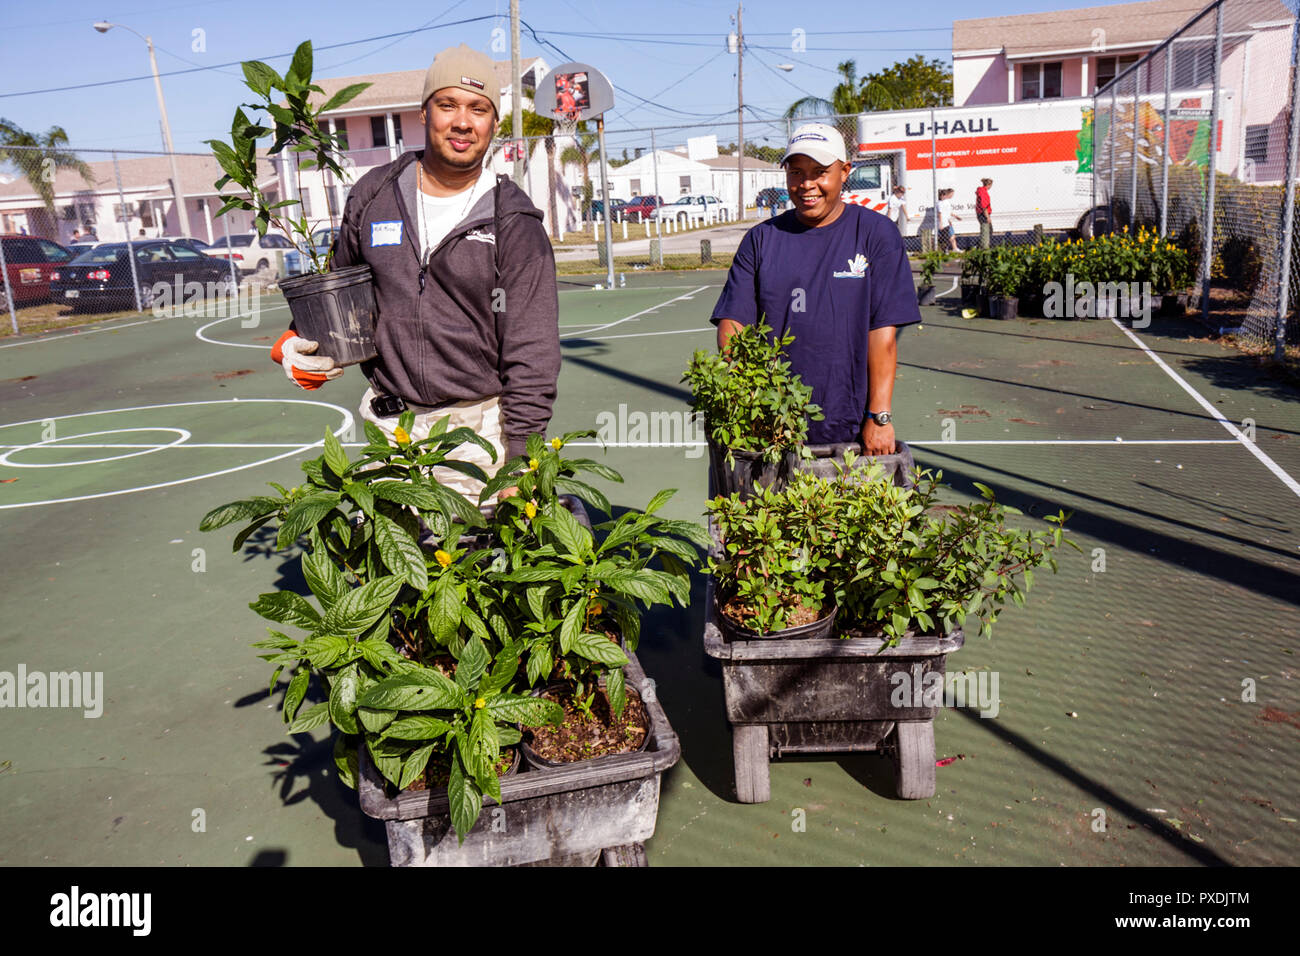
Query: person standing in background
[(898, 210), (984, 212), (947, 241)]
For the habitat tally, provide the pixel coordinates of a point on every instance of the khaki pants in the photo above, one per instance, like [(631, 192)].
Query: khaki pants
[(986, 233), (483, 416)]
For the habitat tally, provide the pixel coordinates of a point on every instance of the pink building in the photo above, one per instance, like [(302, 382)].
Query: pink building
[(1071, 53)]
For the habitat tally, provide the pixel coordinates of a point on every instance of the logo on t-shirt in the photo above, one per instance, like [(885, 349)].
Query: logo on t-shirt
[(857, 268), (478, 235)]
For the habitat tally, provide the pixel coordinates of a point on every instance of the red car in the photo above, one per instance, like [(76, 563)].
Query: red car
[(640, 208), (29, 262)]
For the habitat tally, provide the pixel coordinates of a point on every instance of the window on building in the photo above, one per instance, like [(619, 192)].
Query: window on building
[(330, 202), (378, 131), (684, 183), (145, 211), (1109, 67), (1257, 143), (635, 186), (305, 196), (1193, 65), (1040, 81)]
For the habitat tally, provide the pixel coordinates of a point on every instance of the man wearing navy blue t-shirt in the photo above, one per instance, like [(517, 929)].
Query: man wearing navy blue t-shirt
[(835, 275)]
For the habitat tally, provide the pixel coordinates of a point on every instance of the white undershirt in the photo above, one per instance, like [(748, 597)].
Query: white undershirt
[(439, 215)]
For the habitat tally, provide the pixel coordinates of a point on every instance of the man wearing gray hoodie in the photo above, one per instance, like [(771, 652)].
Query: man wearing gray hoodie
[(464, 276)]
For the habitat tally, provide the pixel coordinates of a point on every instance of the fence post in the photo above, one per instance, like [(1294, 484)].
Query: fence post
[(1133, 179), (1288, 203), (934, 180), (9, 294), (1164, 174), (126, 227), (1110, 135), (1211, 163)]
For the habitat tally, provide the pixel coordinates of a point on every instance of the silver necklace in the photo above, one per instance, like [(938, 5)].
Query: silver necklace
[(422, 225)]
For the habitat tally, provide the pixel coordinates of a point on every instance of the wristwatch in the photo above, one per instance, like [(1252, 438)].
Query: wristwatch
[(880, 418)]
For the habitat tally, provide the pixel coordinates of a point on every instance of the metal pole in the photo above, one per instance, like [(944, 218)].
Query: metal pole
[(1288, 206), (1110, 136), (230, 253), (654, 158), (517, 92), (9, 292), (1164, 175), (740, 113), (934, 180), (177, 189), (1133, 178), (604, 188), (126, 227), (1210, 163)]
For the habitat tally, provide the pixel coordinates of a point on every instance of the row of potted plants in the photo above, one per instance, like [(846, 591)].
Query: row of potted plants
[(441, 623), (1029, 273)]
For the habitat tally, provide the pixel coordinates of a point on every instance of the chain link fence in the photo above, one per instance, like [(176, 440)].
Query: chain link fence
[(1196, 141)]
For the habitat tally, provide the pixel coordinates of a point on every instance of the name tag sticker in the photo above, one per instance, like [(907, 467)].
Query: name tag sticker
[(386, 233)]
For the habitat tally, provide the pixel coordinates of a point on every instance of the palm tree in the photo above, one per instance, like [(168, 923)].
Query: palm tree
[(846, 98), (39, 156), (536, 126), (582, 152)]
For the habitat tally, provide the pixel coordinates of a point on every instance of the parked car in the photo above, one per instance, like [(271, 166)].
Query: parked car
[(777, 196), (251, 252), (30, 262), (693, 207), (597, 209), (103, 275), (296, 264), (198, 245), (641, 208)]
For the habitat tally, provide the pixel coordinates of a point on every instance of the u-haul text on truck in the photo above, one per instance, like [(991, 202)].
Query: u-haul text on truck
[(1038, 154)]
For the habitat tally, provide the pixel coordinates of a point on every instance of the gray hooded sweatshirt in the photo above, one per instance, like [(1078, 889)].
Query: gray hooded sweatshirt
[(479, 318)]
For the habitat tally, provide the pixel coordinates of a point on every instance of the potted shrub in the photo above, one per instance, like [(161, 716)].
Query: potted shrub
[(906, 577), (756, 414), (973, 264), (1006, 276), (932, 262), (756, 411), (334, 308), (437, 621)]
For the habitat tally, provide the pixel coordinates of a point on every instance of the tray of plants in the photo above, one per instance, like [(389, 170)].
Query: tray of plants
[(832, 606), (447, 632)]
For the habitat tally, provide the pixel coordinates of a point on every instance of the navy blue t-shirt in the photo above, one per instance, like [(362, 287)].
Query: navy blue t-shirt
[(829, 286)]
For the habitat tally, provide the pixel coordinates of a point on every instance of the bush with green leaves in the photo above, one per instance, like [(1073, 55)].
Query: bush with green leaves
[(428, 605), (296, 125), (931, 263), (750, 399), (892, 559)]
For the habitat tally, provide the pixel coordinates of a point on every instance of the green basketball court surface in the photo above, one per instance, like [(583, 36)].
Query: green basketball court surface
[(1148, 696)]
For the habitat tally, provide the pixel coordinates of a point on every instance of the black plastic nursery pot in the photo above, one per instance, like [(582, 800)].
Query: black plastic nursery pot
[(822, 627), (534, 759), (1003, 306), (830, 695), (336, 310), (969, 293), (750, 472), (926, 295), (600, 810)]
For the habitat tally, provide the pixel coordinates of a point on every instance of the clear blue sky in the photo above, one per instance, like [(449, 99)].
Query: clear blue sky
[(670, 52)]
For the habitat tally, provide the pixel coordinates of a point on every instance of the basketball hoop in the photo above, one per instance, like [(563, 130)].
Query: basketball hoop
[(566, 122)]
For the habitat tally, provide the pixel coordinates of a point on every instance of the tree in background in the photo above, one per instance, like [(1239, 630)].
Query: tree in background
[(535, 126), (916, 83), (39, 157), (582, 152)]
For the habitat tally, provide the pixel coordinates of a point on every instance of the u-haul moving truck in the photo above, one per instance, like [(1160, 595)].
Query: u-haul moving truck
[(1038, 154)]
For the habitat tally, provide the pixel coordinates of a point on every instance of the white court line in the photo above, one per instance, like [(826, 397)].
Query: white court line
[(637, 335), (950, 290), (1233, 430), (77, 335), (198, 333), (628, 318), (347, 424), (1084, 441)]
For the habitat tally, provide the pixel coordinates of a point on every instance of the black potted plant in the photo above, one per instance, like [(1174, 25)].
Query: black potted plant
[(930, 265), (334, 308), (1007, 271)]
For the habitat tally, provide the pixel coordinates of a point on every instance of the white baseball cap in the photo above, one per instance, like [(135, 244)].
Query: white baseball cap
[(823, 143)]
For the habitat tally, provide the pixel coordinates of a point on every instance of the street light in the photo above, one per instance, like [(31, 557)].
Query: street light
[(785, 66), (103, 26)]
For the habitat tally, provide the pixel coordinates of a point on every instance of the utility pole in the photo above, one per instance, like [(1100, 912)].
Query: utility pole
[(516, 93), (740, 113)]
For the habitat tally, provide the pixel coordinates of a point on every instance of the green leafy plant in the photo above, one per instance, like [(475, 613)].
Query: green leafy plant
[(297, 126), (750, 399), (931, 263), (774, 551), (1007, 271)]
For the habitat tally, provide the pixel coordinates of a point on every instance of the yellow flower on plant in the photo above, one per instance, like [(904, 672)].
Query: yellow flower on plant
[(479, 703), (442, 557), (532, 464), (557, 443), (402, 437), (530, 510)]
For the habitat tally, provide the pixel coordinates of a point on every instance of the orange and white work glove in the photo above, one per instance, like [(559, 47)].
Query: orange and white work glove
[(302, 368)]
